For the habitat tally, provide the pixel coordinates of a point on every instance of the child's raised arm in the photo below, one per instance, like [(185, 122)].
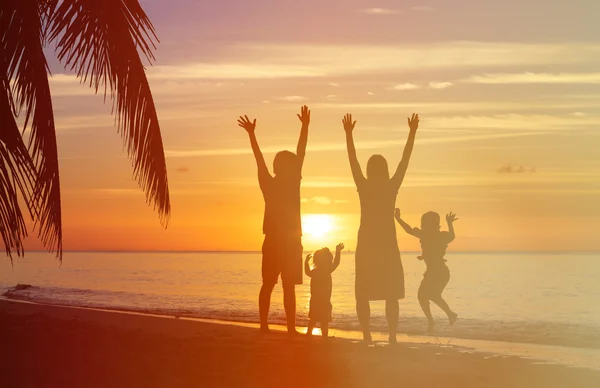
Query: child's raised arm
[(250, 126), (407, 228), (450, 218), (338, 256), (307, 269)]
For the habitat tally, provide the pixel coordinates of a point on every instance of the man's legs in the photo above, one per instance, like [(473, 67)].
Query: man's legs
[(289, 304), (264, 302)]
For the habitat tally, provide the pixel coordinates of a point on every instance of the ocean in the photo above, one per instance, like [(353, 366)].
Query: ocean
[(535, 298)]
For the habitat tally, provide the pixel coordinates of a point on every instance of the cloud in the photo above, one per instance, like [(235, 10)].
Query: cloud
[(423, 8), (381, 11), (440, 85), (335, 85), (183, 169), (360, 145), (277, 61), (405, 86), (535, 78), (330, 97), (370, 93), (231, 71), (510, 169), (578, 114), (293, 98)]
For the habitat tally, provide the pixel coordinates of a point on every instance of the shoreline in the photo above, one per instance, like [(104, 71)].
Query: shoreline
[(572, 356), (53, 346), (530, 354)]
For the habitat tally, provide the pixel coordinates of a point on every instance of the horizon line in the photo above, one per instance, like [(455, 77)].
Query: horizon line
[(258, 251)]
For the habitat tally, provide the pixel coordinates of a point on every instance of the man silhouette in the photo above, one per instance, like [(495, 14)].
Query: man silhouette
[(282, 226)]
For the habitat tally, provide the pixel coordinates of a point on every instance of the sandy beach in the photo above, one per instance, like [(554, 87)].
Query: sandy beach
[(49, 346)]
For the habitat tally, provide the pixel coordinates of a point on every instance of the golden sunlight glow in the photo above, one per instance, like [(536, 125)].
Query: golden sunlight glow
[(317, 226)]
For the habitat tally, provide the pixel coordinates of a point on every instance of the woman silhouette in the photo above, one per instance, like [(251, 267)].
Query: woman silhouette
[(379, 274)]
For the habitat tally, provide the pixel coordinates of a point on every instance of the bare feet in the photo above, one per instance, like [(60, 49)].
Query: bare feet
[(367, 338), (392, 339), (430, 327), (452, 318), (264, 329)]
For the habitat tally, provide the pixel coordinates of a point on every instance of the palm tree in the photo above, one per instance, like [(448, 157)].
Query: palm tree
[(101, 41)]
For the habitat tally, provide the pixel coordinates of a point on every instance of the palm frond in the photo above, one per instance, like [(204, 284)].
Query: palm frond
[(17, 172), (22, 34), (101, 41)]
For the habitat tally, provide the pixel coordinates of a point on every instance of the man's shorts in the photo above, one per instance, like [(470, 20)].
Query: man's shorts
[(282, 255)]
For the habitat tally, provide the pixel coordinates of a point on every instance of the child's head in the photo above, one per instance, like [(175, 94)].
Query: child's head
[(285, 163), (323, 257), (430, 222), (377, 168)]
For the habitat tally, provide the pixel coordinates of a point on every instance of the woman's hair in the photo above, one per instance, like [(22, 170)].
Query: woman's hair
[(430, 221), (285, 163), (377, 168), (322, 257)]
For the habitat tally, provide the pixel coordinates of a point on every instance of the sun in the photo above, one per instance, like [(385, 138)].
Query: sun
[(317, 226)]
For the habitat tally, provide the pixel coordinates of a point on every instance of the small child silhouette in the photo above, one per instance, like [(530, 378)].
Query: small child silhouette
[(433, 244), (321, 287)]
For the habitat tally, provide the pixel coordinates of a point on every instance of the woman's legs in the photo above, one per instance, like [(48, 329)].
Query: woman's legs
[(392, 311), (363, 310), (325, 330)]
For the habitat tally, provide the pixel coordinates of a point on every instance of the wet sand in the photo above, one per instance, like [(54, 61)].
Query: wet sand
[(50, 346)]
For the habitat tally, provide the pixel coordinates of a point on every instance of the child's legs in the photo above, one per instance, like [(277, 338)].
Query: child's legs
[(423, 296), (442, 279), (442, 304)]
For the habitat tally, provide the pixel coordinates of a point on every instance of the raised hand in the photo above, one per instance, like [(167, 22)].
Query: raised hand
[(248, 125), (339, 247), (397, 214), (450, 218), (413, 123), (348, 123), (308, 257), (304, 116)]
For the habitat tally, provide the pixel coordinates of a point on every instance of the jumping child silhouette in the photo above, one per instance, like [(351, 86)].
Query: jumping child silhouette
[(282, 246), (434, 244), (321, 287)]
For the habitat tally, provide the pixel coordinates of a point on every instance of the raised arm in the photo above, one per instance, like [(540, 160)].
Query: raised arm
[(357, 174), (407, 228), (413, 124), (450, 218), (338, 256), (304, 117), (307, 269), (250, 126)]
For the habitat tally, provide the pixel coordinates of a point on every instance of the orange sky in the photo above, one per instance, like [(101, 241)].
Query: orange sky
[(494, 92)]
